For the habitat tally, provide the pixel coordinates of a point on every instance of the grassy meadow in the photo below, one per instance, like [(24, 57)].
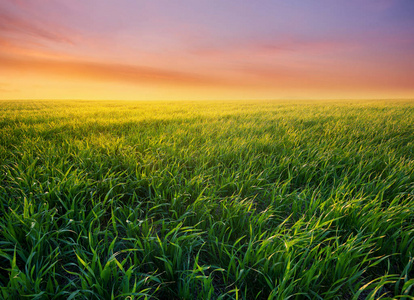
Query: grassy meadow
[(207, 200)]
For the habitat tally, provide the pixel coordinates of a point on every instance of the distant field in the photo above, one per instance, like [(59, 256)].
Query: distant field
[(206, 200)]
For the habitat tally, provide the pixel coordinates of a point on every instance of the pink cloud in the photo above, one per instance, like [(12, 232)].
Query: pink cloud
[(284, 45), (15, 26)]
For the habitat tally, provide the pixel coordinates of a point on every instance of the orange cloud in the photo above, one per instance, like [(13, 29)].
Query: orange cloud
[(106, 72)]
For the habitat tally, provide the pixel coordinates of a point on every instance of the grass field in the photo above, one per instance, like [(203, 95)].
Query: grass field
[(206, 200)]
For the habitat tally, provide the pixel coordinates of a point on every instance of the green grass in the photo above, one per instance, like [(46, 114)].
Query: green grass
[(206, 200)]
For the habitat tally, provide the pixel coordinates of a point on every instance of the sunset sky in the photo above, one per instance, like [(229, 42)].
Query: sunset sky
[(206, 49)]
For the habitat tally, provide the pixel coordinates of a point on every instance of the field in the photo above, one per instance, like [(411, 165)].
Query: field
[(207, 200)]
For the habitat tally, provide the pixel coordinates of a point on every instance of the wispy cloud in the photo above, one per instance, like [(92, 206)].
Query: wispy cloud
[(290, 52), (12, 25), (107, 72)]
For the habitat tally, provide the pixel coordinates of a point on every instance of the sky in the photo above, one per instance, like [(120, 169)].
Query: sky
[(206, 49)]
